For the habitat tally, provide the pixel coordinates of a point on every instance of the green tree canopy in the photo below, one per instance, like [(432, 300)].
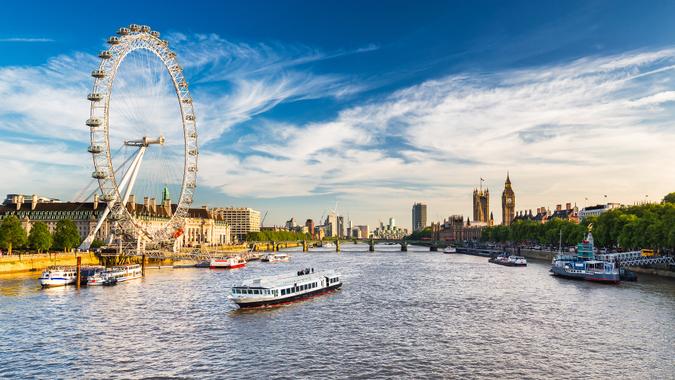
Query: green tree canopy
[(276, 236), (12, 233), (40, 238), (97, 243), (670, 198), (626, 228), (424, 233), (66, 235)]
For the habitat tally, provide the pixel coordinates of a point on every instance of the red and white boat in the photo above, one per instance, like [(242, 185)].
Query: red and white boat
[(227, 263)]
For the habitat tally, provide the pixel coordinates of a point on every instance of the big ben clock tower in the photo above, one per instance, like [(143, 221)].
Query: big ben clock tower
[(508, 203)]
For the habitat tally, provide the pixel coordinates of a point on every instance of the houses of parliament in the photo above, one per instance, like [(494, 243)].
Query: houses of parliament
[(481, 204)]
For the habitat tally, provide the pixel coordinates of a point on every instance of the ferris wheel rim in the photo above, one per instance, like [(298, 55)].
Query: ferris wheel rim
[(130, 39)]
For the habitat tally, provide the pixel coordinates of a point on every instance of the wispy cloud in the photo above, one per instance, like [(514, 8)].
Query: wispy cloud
[(569, 130), (230, 83), (26, 39)]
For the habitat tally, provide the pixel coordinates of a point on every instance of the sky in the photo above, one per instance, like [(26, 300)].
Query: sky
[(366, 106)]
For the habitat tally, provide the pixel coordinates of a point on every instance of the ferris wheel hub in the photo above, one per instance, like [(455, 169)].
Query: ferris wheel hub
[(145, 141)]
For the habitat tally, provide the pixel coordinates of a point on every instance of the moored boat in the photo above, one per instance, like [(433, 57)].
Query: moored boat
[(227, 263), (273, 290), (450, 249), (276, 258), (116, 274), (584, 265), (58, 276)]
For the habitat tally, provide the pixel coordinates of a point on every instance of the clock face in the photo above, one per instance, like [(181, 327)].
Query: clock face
[(509, 201)]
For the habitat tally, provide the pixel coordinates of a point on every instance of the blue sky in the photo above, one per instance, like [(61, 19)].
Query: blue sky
[(373, 105)]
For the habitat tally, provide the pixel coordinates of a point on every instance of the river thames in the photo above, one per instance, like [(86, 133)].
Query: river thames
[(418, 314)]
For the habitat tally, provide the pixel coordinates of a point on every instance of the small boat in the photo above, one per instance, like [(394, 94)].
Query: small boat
[(227, 263), (58, 276), (450, 249), (116, 274), (276, 258), (328, 245), (274, 290), (508, 260)]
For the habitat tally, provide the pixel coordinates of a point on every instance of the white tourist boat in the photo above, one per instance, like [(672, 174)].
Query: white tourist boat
[(450, 249), (272, 290), (328, 245), (58, 276), (276, 258), (509, 260), (227, 263), (116, 274)]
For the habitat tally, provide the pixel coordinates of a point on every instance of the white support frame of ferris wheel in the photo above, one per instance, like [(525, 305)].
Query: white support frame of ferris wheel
[(127, 183)]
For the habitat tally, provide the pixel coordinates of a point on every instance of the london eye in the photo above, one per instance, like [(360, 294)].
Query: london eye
[(143, 140)]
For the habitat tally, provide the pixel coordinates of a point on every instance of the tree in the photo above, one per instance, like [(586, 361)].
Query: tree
[(12, 233), (97, 243), (670, 198), (40, 238), (66, 235)]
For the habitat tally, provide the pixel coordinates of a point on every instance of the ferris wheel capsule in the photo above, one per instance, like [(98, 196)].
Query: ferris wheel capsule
[(94, 97), (105, 54), (113, 40), (108, 197), (134, 27), (155, 34), (95, 149), (94, 122), (123, 31), (99, 174), (98, 73), (144, 28)]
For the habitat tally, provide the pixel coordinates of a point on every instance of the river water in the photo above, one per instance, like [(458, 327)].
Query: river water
[(418, 314)]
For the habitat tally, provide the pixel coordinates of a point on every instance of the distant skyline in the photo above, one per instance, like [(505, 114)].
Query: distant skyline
[(302, 105)]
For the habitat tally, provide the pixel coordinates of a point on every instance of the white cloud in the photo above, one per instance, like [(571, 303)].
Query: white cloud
[(599, 125), (230, 83), (26, 39)]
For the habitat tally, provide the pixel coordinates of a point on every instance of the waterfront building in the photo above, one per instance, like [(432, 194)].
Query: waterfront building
[(331, 224), (291, 224), (419, 216), (508, 202), (390, 231), (569, 213), (454, 228), (310, 227), (543, 215), (597, 210), (242, 220), (202, 227), (481, 205), (320, 232), (365, 231)]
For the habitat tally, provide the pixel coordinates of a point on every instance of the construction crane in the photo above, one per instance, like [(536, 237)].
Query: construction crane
[(262, 221)]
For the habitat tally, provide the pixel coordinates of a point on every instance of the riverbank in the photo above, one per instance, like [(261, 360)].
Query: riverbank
[(38, 262)]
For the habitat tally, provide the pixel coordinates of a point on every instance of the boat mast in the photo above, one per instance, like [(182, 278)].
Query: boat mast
[(560, 243)]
